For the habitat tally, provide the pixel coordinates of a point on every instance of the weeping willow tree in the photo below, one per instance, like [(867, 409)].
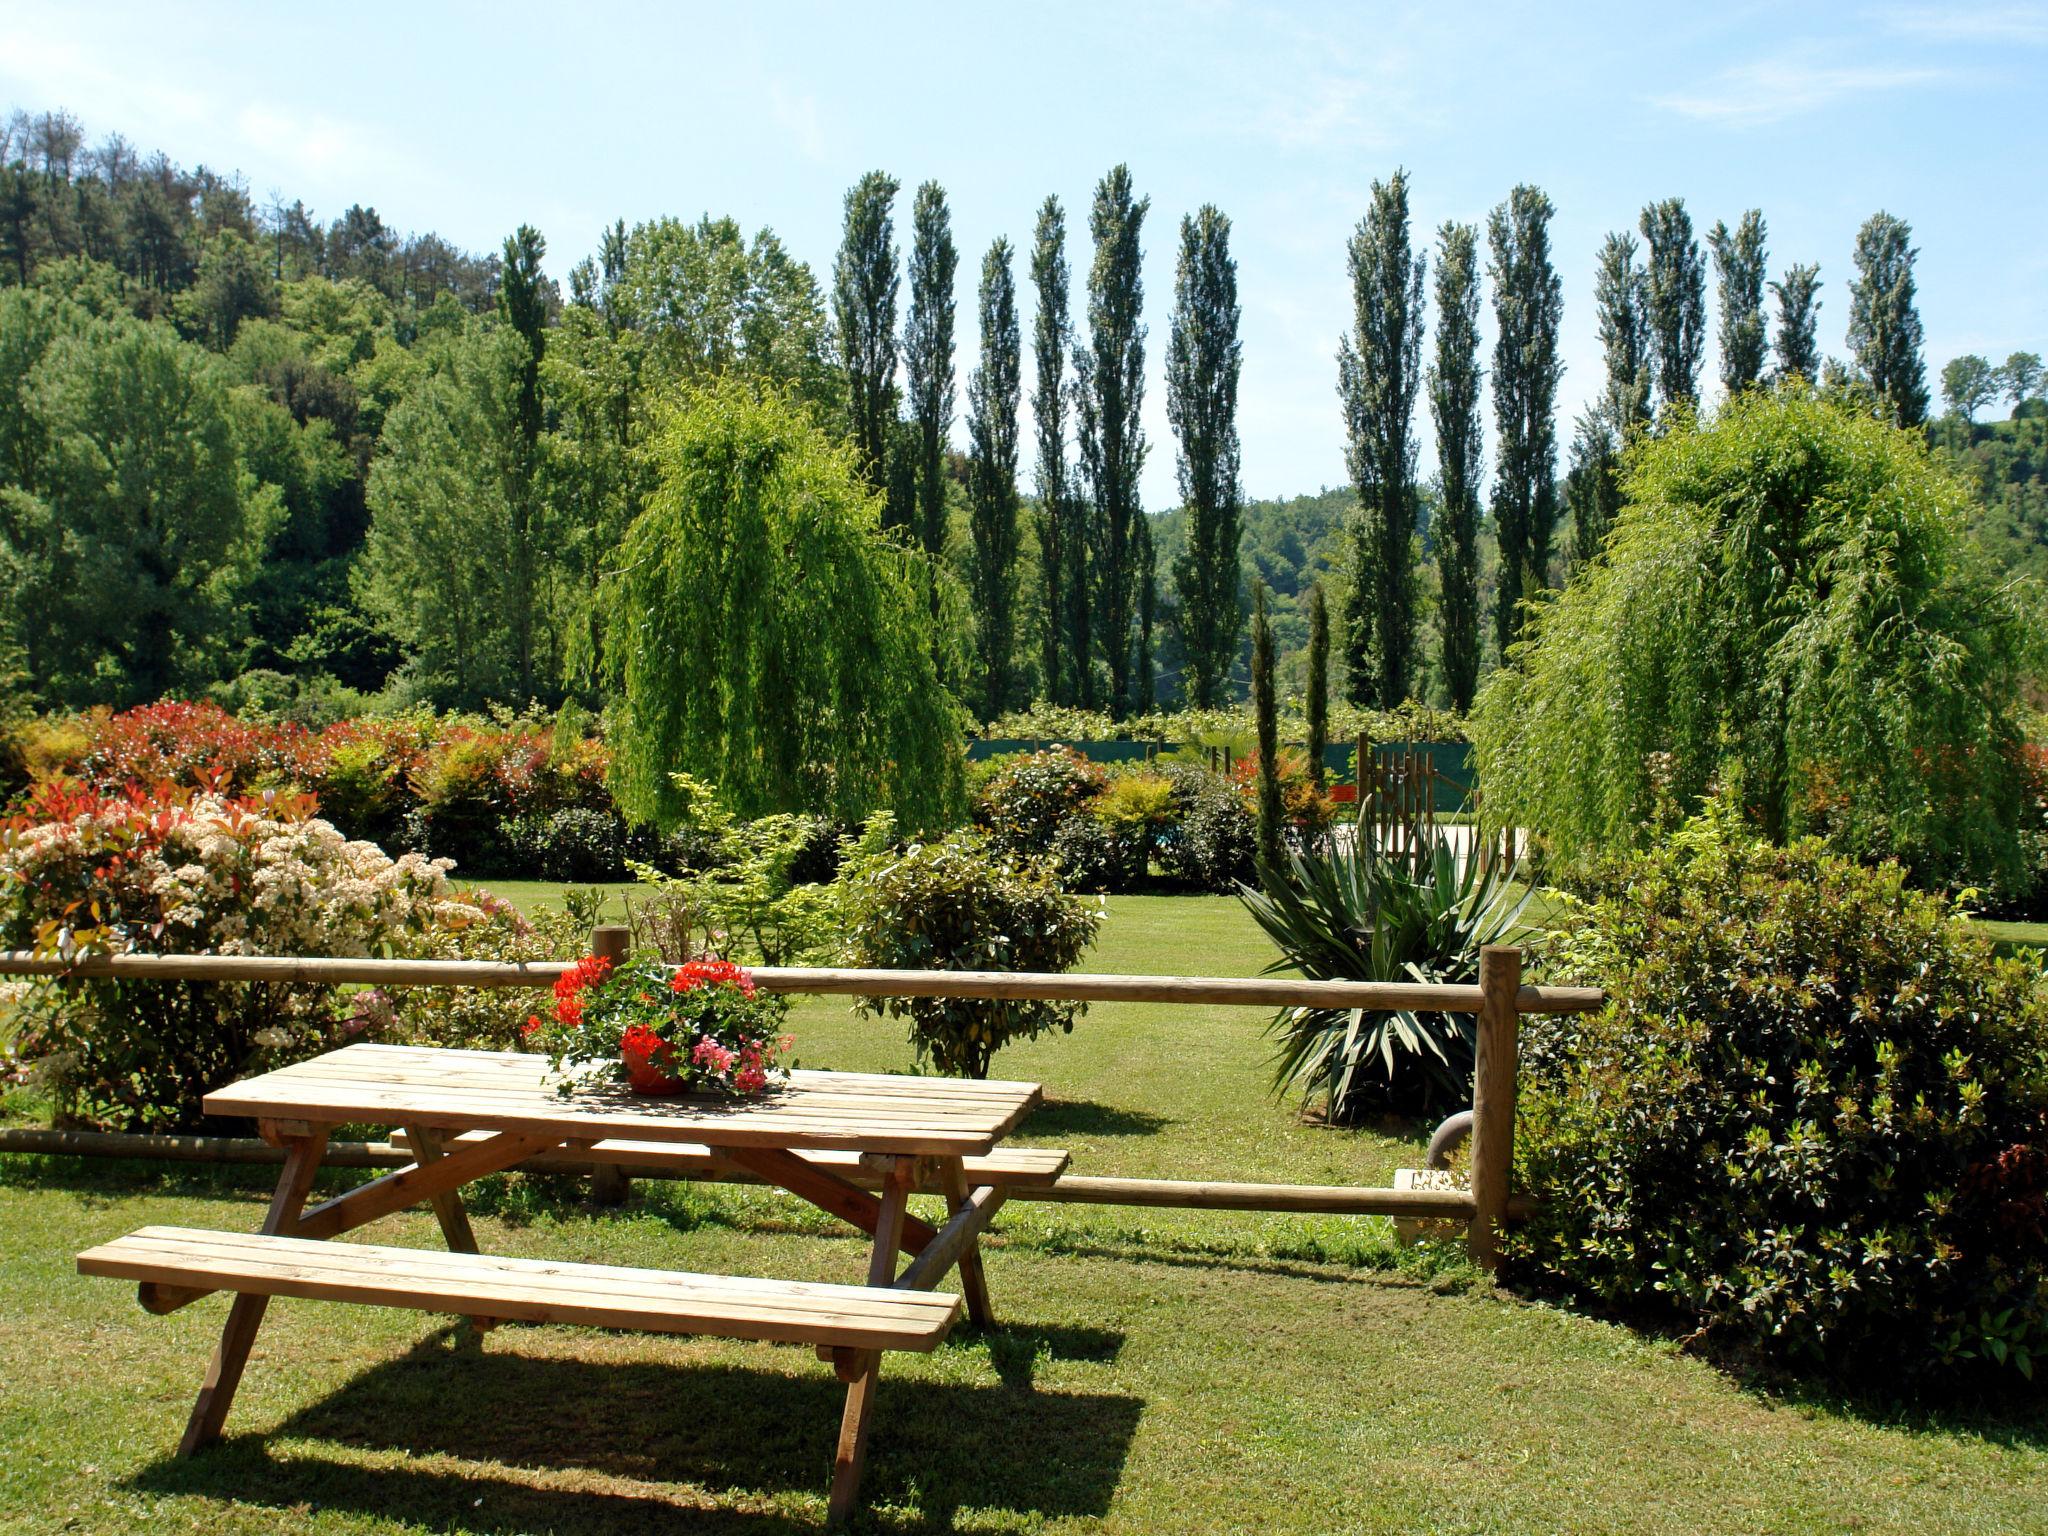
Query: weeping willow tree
[(1788, 608), (767, 637)]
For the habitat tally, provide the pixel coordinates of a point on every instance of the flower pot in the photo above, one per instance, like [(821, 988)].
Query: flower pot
[(649, 1067)]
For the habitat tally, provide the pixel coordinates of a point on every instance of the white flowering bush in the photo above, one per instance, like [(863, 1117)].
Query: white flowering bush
[(200, 874)]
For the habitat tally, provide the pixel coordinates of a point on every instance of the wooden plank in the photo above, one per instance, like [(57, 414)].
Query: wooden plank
[(448, 1209), (1493, 1101), (965, 1205), (1006, 1165), (527, 1289), (1277, 992), (421, 1181), (832, 1194), (954, 1243), (245, 1317), (185, 1251)]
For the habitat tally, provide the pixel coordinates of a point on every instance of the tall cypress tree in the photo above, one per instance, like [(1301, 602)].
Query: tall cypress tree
[(992, 476), (1677, 292), (1528, 307), (1739, 272), (1203, 360), (1058, 540), (1266, 714), (928, 355), (1884, 319), (1145, 682), (1797, 338), (1109, 390), (1317, 707), (1379, 369), (864, 305), (1454, 407), (1621, 300), (522, 295)]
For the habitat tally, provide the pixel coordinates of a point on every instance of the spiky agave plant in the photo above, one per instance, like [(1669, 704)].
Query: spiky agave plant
[(1359, 909)]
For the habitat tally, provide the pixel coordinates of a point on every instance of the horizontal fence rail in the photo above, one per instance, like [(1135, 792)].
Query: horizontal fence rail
[(1499, 1001), (1089, 987)]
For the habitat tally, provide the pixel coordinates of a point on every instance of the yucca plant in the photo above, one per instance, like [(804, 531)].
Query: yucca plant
[(1364, 909)]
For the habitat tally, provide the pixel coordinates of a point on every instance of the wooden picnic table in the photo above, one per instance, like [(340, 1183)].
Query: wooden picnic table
[(823, 1136)]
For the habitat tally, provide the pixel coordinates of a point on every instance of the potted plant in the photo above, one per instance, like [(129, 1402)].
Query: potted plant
[(700, 1027)]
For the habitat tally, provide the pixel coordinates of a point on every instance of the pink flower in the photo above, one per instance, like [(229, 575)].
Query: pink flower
[(751, 1080)]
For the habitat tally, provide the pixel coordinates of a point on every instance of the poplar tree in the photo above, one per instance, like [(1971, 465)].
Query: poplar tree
[(1528, 306), (992, 477), (1203, 361), (1677, 291), (1739, 273), (1454, 408), (1109, 392), (1317, 707), (1621, 300), (1058, 539), (1797, 340), (864, 285), (1884, 320), (1379, 369), (928, 355), (523, 298), (1266, 714), (1145, 687)]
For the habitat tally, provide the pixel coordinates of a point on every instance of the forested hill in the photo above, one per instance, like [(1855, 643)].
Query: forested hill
[(1287, 544), (2006, 462)]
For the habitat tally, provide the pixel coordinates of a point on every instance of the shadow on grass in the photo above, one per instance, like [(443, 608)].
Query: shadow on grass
[(1085, 1117), (754, 1437)]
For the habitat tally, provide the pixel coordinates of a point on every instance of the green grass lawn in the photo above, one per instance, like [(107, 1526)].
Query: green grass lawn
[(1157, 1372)]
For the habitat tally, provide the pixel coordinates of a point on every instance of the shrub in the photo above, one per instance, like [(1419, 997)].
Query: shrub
[(956, 906), (1809, 1129), (575, 844), (1086, 856), (1306, 809), (183, 874), (1024, 804), (1357, 911), (1137, 809), (745, 890), (1210, 844)]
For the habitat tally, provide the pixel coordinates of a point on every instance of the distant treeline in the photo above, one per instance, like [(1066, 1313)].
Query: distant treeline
[(237, 438)]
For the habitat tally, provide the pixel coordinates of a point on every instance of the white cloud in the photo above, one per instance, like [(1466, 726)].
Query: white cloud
[(1969, 24), (1771, 90)]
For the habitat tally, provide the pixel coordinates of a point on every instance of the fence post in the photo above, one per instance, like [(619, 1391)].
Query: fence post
[(609, 1184), (1493, 1099)]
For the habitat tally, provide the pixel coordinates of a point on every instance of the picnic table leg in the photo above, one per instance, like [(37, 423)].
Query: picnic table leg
[(862, 1369), (245, 1316), (448, 1206), (973, 1284)]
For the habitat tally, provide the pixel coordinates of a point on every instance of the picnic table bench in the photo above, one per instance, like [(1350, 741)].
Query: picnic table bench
[(856, 1145)]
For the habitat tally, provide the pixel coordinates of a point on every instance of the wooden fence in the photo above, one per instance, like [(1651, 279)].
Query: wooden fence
[(1499, 1000)]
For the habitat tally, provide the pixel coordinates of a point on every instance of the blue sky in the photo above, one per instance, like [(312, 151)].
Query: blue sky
[(470, 119)]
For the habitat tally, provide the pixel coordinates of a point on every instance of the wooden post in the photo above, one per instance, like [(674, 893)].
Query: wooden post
[(1493, 1099), (609, 1183)]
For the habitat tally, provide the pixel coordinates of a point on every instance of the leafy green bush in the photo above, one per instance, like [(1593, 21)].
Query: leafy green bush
[(1809, 1129), (1138, 810), (1087, 856), (1025, 802), (573, 844), (957, 906), (1211, 841), (745, 887), (1356, 911)]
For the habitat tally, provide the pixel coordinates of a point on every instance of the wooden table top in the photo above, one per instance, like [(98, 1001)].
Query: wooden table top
[(511, 1091)]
